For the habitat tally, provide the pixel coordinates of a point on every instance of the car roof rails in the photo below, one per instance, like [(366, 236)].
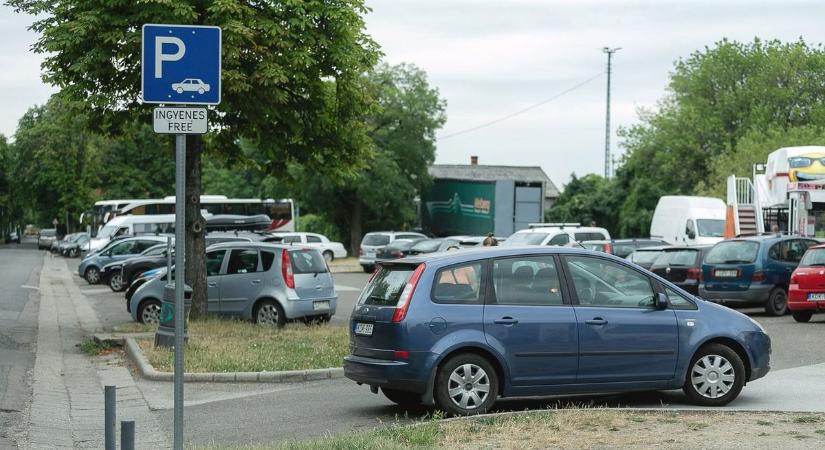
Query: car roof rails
[(553, 224)]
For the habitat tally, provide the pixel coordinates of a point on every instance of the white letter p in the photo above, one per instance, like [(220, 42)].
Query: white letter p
[(160, 56)]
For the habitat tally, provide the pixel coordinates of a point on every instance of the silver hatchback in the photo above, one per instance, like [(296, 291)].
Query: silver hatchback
[(266, 283)]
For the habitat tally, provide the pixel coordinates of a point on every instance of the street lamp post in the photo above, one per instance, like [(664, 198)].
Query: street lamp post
[(607, 159)]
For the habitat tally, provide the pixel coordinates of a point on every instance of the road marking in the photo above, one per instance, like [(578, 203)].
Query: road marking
[(341, 288), (24, 286)]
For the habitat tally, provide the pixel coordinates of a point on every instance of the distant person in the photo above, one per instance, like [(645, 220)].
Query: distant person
[(775, 228), (489, 241)]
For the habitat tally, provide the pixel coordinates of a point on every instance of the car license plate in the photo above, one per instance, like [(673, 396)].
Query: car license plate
[(816, 296), (317, 306), (363, 329), (726, 273)]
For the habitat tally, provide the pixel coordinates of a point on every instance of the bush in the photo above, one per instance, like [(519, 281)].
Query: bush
[(314, 223)]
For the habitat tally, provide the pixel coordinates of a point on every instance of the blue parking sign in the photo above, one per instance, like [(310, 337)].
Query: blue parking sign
[(181, 64)]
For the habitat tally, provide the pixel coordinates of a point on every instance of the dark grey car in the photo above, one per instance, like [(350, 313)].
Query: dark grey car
[(266, 283)]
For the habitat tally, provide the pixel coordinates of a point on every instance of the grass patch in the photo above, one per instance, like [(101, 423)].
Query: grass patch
[(807, 419), (92, 348), (572, 428), (221, 345), (820, 431)]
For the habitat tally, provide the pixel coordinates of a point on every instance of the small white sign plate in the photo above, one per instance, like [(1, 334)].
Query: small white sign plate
[(180, 120)]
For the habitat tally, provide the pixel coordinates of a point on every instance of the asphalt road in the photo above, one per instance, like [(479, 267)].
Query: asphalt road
[(260, 413), (19, 267)]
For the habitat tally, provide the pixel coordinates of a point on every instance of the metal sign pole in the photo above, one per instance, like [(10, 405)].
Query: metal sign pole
[(180, 280)]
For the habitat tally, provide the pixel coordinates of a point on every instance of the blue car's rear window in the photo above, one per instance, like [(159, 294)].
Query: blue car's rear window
[(386, 286), (733, 252)]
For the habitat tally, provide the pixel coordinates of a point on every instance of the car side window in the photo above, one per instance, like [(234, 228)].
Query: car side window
[(527, 280), (796, 248), (242, 261), (458, 284), (292, 240), (124, 248), (600, 282), (214, 259), (266, 260), (560, 239), (313, 239), (408, 236), (678, 301)]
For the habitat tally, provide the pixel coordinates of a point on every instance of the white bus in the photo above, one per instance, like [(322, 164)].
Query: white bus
[(101, 212), (281, 212)]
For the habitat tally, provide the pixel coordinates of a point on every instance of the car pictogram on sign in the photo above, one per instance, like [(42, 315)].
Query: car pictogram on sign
[(191, 85)]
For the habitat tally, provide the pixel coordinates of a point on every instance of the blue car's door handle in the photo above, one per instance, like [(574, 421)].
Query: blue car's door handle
[(506, 321), (596, 321)]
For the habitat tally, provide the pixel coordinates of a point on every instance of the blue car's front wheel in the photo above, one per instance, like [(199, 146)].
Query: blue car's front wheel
[(715, 377)]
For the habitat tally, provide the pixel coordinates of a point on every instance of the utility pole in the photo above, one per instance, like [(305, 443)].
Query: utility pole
[(607, 158)]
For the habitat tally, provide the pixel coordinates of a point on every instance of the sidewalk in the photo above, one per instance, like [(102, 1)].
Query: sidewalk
[(67, 404)]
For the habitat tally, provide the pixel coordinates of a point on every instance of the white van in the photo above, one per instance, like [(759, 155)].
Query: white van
[(132, 226), (686, 220), (556, 234)]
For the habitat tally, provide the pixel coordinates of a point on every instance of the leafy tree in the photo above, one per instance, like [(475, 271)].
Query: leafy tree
[(292, 81), (55, 161), (717, 97), (402, 130), (136, 164), (588, 199)]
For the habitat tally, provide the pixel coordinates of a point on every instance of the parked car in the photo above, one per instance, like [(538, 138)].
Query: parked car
[(114, 275), (398, 248), (461, 329), (12, 237), (140, 280), (645, 256), (375, 241), (266, 283), (45, 238), (118, 250), (70, 245), (806, 294), (556, 234), (129, 226), (330, 250), (681, 266), (621, 247), (753, 271), (432, 246)]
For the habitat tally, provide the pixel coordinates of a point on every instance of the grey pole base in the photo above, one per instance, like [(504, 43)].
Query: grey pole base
[(165, 335)]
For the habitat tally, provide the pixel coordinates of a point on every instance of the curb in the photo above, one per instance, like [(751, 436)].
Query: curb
[(148, 372)]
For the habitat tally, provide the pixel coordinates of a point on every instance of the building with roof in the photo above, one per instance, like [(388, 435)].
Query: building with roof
[(478, 199)]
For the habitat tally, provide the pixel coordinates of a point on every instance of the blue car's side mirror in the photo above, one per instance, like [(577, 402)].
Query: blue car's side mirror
[(661, 301)]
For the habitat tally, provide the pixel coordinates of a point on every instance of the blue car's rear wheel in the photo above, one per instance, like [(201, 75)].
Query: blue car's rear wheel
[(466, 384), (715, 376)]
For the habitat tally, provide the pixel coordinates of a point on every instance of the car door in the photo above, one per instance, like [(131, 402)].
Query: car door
[(120, 252), (215, 271), (529, 320), (622, 336), (242, 282)]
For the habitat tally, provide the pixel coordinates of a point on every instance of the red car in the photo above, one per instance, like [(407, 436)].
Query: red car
[(807, 291)]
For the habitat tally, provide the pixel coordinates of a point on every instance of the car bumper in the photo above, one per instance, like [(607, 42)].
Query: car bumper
[(798, 300), (307, 308), (366, 260), (401, 375), (755, 294), (759, 350)]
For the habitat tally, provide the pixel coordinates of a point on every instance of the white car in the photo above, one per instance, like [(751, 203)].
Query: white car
[(556, 234), (330, 250), (191, 85)]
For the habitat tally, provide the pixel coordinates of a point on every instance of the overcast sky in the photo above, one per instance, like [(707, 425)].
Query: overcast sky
[(491, 58)]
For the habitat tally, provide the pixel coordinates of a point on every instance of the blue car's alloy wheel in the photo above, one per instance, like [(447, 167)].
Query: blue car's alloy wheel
[(466, 384)]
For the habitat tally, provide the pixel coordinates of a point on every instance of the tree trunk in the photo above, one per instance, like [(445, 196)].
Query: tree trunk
[(355, 226), (195, 228)]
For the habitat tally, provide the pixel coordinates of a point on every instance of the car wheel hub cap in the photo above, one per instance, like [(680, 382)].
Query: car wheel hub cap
[(712, 376), (268, 315), (468, 386), (151, 314)]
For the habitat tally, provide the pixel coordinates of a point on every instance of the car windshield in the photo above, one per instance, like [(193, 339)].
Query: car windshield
[(106, 231), (682, 257), (711, 227), (644, 256), (733, 252), (528, 238), (376, 239), (813, 257)]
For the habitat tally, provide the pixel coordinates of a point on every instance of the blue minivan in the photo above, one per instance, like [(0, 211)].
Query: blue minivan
[(461, 329), (753, 271)]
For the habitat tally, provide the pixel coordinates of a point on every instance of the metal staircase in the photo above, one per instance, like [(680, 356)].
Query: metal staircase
[(747, 211)]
